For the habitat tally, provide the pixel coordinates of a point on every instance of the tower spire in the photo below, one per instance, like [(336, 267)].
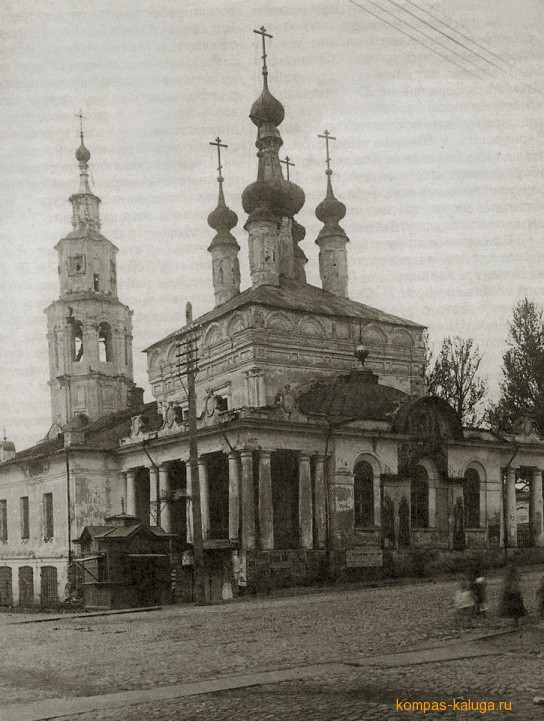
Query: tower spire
[(332, 238), (224, 248), (85, 203)]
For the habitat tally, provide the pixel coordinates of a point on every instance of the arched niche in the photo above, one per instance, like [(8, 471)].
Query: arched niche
[(366, 491), (373, 335), (279, 321), (401, 338), (213, 335), (236, 324), (311, 327)]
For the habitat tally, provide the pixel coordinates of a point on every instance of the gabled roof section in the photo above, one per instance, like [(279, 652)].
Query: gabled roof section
[(295, 295), (102, 434)]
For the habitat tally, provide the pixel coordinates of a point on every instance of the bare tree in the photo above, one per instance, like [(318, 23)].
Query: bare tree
[(454, 376)]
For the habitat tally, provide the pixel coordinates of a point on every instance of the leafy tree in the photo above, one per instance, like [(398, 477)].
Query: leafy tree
[(522, 388), (454, 376)]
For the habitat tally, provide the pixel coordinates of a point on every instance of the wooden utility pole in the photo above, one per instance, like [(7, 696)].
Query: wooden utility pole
[(188, 366)]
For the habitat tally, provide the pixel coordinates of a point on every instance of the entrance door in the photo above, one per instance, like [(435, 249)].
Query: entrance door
[(26, 586), (6, 589)]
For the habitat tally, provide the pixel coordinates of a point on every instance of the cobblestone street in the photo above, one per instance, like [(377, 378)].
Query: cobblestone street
[(100, 655)]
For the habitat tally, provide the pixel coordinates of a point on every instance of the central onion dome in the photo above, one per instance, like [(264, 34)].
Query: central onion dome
[(267, 109), (271, 197), (357, 396)]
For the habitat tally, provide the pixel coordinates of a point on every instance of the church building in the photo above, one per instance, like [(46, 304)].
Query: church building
[(319, 453)]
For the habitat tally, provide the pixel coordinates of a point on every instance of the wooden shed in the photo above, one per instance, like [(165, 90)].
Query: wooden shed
[(125, 563)]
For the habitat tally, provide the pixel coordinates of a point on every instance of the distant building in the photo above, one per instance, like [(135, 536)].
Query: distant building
[(319, 452)]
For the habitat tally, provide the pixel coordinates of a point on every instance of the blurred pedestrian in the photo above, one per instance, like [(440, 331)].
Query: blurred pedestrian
[(479, 591), (511, 605), (464, 603)]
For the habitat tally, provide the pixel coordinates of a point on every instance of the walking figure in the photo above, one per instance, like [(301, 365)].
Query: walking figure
[(512, 605)]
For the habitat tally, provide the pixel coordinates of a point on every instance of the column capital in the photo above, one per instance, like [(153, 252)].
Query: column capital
[(304, 456), (263, 452), (131, 472), (244, 452)]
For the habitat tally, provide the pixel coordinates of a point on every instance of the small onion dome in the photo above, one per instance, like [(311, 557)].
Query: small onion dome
[(357, 396), (282, 197), (82, 154), (266, 109), (298, 232), (222, 219), (330, 209), (6, 445)]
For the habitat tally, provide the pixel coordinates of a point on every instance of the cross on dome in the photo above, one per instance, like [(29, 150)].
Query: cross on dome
[(287, 162), (327, 136)]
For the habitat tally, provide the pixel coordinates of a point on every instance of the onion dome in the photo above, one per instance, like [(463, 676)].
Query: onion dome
[(267, 109), (82, 154), (280, 197), (330, 210), (357, 396), (298, 232), (6, 445), (222, 220)]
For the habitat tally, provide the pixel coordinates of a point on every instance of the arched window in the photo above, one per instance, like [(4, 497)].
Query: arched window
[(363, 491), (105, 354), (77, 341), (419, 498), (471, 498)]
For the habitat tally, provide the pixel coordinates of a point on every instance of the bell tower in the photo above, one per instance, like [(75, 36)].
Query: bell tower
[(89, 330)]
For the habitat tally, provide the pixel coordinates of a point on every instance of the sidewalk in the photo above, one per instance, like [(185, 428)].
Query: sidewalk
[(57, 708)]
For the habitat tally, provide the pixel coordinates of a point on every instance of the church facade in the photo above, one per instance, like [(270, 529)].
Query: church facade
[(319, 452)]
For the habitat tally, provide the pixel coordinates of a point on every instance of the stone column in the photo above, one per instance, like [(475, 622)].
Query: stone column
[(535, 509), (131, 492), (320, 502), (204, 498), (247, 505), (154, 504), (305, 521), (189, 504), (266, 513), (234, 496), (511, 523), (164, 500)]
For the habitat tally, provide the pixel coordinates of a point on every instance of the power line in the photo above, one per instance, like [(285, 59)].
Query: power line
[(482, 47), (446, 57), (430, 25), (516, 75)]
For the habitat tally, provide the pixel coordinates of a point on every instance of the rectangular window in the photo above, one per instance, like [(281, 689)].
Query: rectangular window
[(25, 530), (48, 528), (3, 520)]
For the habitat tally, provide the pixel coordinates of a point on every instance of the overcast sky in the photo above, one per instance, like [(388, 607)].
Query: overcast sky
[(441, 171)]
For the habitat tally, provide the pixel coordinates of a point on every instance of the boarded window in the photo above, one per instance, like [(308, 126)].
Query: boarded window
[(218, 489), (48, 526), (471, 498), (3, 520), (419, 498), (25, 521), (363, 490), (49, 596), (284, 467), (6, 589), (26, 586)]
